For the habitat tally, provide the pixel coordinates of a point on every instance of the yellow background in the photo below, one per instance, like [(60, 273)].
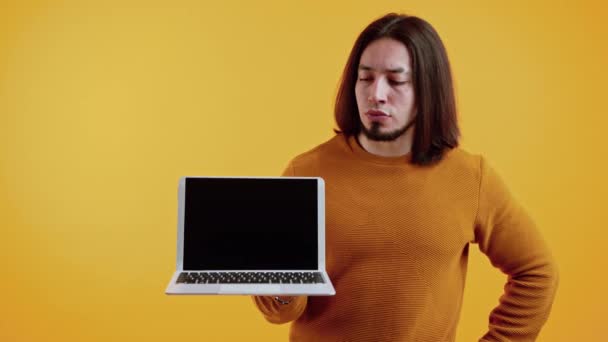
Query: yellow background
[(104, 104)]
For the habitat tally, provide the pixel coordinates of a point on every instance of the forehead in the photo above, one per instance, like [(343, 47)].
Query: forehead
[(385, 53)]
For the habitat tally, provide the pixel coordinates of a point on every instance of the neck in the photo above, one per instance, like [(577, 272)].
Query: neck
[(395, 148)]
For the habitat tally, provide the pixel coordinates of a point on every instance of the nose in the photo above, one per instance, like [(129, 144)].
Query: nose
[(378, 92)]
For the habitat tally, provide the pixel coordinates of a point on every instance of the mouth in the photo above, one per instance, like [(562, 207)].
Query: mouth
[(377, 115)]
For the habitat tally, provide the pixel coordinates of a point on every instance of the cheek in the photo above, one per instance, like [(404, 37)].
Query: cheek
[(405, 99), (360, 96), (358, 92)]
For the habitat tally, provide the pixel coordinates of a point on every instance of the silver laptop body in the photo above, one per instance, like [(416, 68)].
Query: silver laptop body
[(251, 236)]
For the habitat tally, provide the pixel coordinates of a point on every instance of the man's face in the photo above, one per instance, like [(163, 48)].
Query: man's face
[(384, 90)]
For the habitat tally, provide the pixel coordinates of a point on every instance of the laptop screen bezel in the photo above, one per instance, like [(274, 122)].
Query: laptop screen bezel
[(320, 218)]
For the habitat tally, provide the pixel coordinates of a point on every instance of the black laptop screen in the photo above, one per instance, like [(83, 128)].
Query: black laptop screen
[(250, 224)]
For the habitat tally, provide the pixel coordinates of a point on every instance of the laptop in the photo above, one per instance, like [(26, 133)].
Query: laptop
[(251, 236)]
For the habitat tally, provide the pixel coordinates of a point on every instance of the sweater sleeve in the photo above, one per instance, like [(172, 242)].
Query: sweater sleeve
[(510, 239), (273, 311)]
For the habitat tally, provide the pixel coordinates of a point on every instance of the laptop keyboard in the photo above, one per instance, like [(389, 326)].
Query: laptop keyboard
[(250, 278)]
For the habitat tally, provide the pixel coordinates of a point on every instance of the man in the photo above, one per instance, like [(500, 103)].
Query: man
[(404, 202)]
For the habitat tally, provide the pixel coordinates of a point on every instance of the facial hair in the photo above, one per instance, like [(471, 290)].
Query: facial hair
[(375, 134)]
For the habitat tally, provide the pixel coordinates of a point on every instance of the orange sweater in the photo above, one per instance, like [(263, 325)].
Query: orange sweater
[(397, 243)]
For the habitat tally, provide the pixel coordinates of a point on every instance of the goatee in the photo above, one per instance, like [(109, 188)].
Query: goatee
[(375, 134)]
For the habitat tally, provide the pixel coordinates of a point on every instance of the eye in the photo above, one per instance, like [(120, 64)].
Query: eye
[(364, 79), (393, 82)]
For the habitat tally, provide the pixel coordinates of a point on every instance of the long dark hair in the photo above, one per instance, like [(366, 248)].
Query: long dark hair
[(436, 126)]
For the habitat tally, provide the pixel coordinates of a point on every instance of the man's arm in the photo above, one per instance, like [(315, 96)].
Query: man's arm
[(275, 312), (510, 239)]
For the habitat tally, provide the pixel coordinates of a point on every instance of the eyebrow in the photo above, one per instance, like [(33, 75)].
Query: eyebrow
[(392, 71)]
